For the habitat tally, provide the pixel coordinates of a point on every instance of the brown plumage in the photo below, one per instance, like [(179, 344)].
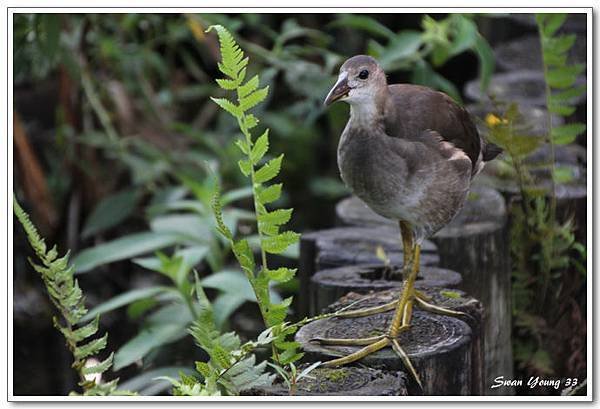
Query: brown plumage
[(407, 151)]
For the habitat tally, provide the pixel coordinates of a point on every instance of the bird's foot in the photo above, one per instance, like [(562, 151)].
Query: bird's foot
[(371, 345), (423, 301)]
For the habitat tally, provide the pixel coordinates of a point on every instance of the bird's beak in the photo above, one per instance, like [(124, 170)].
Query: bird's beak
[(339, 90)]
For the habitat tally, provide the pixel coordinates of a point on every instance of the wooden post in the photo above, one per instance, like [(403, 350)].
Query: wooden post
[(344, 381), (439, 347), (475, 244), (349, 246), (329, 285), (453, 299)]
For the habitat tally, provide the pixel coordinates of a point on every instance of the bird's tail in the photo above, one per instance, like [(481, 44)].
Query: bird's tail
[(490, 151)]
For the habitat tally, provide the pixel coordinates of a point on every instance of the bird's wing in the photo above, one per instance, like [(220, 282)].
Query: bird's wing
[(415, 109)]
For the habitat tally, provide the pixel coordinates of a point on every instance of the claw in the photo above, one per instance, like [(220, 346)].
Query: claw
[(367, 311), (439, 310), (348, 341), (406, 360), (361, 353)]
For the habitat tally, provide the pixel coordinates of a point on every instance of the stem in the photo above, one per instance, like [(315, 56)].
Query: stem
[(552, 220), (263, 253)]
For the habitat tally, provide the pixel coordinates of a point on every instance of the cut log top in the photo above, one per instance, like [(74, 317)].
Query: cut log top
[(484, 209), (445, 351), (345, 381), (347, 245), (376, 277)]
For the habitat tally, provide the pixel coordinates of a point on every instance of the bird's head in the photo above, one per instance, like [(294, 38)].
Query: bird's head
[(361, 79)]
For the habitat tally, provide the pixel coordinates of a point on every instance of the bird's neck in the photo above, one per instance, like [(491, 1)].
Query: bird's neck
[(368, 114)]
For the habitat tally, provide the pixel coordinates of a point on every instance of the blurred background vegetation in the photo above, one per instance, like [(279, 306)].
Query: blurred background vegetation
[(118, 148)]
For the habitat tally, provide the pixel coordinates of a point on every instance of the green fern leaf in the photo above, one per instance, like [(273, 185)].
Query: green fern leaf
[(99, 368), (245, 166), (553, 22), (281, 275), (276, 217), (269, 170), (243, 253), (277, 244), (228, 106), (253, 99), (217, 211), (243, 145), (250, 121), (261, 146), (86, 331), (227, 84), (248, 87), (269, 194), (566, 134), (91, 348)]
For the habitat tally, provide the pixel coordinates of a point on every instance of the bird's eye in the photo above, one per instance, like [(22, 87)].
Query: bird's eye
[(363, 75)]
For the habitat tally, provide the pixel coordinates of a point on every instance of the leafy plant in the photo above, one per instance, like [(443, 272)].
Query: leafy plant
[(421, 51), (545, 253), (231, 367), (272, 240), (66, 295)]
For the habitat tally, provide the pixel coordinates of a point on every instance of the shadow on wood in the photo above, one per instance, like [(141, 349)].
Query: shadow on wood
[(329, 285), (345, 381)]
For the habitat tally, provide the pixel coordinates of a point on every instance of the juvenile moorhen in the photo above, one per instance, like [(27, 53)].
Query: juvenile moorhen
[(409, 153)]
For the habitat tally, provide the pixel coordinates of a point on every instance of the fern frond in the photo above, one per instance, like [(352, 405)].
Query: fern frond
[(233, 64), (67, 297)]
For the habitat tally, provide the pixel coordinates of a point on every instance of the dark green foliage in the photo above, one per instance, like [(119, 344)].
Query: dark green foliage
[(231, 367), (420, 51), (545, 253), (65, 294)]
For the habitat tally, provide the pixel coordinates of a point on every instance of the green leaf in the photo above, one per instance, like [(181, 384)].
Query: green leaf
[(250, 121), (243, 145), (248, 87), (269, 170), (123, 248), (276, 217), (563, 77), (85, 331), (148, 339), (464, 34), (277, 244), (228, 106), (566, 134), (123, 299), (486, 61), (90, 348), (560, 109), (364, 23), (111, 211), (404, 46), (243, 253), (269, 194), (563, 174), (553, 22), (218, 213), (281, 275), (227, 84), (147, 384), (253, 99), (569, 94), (99, 368), (245, 166), (260, 148)]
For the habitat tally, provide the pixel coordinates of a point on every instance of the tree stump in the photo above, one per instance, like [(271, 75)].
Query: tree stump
[(439, 347), (344, 381), (526, 87), (329, 285), (475, 245), (449, 298), (571, 197), (346, 246)]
